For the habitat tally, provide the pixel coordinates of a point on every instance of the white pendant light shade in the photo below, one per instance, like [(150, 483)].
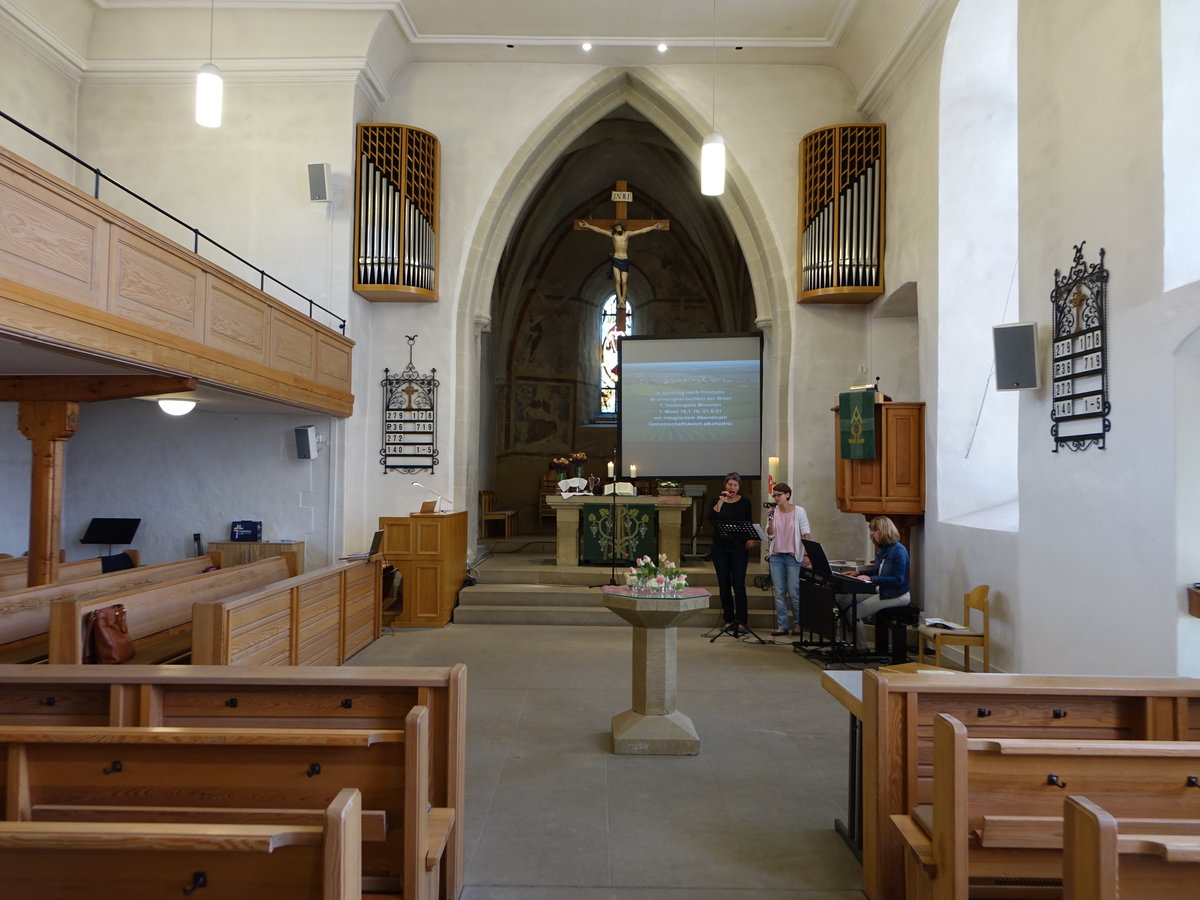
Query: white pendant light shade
[(177, 407), (712, 166), (209, 88)]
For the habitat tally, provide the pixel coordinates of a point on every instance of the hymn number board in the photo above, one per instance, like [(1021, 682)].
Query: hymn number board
[(1079, 370), (409, 419)]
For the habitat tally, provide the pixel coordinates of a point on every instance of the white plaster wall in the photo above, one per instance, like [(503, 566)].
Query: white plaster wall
[(15, 465), (39, 89), (1105, 518), (193, 473)]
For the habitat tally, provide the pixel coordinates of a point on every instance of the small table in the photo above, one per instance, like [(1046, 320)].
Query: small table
[(653, 726)]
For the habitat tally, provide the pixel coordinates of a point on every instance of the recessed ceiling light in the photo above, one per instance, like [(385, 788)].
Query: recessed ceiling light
[(587, 47), (662, 48)]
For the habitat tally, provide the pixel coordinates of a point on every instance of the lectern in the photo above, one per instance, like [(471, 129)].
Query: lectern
[(430, 551)]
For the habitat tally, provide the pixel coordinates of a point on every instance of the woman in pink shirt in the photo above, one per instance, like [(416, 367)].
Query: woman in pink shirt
[(787, 526)]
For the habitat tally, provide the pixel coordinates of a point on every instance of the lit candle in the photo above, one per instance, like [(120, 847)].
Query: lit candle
[(773, 468), (632, 471), (611, 470)]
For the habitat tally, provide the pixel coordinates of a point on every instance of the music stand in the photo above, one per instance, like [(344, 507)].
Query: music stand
[(612, 543), (110, 531), (747, 531)]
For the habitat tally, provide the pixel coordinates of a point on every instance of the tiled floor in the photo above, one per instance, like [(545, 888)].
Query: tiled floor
[(552, 813)]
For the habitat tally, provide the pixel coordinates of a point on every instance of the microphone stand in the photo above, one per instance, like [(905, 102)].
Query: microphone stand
[(612, 544)]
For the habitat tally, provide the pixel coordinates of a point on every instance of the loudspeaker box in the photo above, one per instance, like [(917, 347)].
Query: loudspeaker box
[(306, 442), (318, 181), (1016, 356)]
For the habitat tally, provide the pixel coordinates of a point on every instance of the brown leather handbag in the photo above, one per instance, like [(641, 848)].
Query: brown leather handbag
[(107, 639)]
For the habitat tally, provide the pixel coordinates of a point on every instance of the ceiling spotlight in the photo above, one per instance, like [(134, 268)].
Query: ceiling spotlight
[(587, 47), (662, 48), (177, 407)]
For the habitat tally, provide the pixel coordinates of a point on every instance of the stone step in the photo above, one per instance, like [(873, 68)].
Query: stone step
[(466, 614)]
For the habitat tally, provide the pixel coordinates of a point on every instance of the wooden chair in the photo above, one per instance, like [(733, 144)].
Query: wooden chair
[(547, 488), (966, 637), (506, 517)]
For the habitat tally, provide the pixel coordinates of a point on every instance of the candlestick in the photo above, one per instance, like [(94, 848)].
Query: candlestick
[(611, 470)]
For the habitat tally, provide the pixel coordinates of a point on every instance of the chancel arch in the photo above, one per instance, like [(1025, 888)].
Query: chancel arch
[(727, 239)]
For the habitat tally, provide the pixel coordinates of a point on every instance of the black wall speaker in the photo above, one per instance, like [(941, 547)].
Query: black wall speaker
[(318, 181), (306, 442), (1016, 356)]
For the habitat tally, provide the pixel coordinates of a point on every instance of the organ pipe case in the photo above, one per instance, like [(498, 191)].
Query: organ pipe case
[(396, 193), (841, 214)]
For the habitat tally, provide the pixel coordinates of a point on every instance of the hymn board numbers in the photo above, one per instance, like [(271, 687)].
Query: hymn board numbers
[(409, 419), (1079, 392)]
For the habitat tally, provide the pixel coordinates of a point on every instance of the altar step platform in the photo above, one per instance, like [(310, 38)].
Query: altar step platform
[(519, 584)]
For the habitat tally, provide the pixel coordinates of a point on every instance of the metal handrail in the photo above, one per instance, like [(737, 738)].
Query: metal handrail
[(197, 234)]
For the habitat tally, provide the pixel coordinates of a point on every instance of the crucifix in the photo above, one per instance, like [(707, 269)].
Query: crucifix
[(620, 230)]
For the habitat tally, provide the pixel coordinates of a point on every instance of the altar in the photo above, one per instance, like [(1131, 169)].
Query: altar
[(644, 525)]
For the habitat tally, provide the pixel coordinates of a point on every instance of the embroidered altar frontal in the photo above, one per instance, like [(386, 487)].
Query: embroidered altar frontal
[(636, 530)]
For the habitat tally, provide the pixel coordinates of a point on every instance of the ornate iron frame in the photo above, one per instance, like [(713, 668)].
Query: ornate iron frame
[(1079, 355), (409, 410)]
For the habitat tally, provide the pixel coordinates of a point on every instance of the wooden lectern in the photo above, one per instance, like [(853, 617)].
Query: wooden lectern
[(430, 551)]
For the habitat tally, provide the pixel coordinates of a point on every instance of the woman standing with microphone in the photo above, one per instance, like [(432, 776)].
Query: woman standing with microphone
[(787, 526), (731, 556)]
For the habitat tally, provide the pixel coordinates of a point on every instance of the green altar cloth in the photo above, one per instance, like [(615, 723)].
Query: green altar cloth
[(637, 526), (856, 411)]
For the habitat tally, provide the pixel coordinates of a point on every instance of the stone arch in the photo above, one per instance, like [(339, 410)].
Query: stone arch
[(685, 126), (977, 264)]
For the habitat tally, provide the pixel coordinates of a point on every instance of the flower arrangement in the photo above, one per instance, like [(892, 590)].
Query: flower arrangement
[(655, 575), (578, 458), (561, 463)]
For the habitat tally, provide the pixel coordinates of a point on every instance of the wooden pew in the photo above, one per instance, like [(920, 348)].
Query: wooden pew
[(375, 697), (15, 577), (996, 817), (318, 618), (55, 772), (120, 860), (897, 735), (25, 614), (1106, 859), (160, 616)]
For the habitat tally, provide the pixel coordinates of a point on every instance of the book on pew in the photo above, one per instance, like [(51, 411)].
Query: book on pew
[(944, 623)]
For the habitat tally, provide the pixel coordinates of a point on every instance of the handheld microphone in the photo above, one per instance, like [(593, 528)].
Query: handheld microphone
[(770, 505)]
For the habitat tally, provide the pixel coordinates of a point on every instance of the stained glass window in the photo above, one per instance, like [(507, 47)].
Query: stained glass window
[(611, 328)]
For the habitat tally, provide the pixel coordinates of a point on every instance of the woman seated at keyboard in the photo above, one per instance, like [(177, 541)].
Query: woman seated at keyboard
[(889, 572)]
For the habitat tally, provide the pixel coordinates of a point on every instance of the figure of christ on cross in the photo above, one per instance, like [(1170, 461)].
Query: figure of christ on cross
[(620, 230)]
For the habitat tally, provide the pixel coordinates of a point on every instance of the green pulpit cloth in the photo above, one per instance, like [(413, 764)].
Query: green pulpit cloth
[(857, 414), (637, 527)]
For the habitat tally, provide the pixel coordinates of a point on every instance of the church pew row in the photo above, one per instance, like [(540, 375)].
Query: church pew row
[(1106, 859), (159, 616), (319, 618), (898, 710), (63, 771), (14, 573), (118, 860), (996, 820), (25, 614), (361, 697)]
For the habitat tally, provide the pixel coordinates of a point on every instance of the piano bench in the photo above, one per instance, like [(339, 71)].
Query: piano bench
[(891, 628)]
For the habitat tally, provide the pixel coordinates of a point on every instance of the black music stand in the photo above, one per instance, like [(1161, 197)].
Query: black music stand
[(747, 531), (612, 544)]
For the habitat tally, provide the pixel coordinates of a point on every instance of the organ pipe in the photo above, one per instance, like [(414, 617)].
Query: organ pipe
[(841, 221), (396, 216)]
